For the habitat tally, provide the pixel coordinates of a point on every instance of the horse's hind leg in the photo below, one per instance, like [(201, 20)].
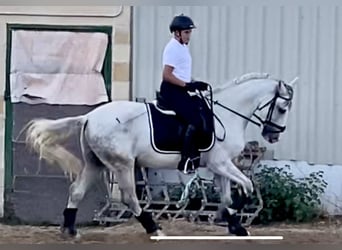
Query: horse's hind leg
[(77, 192), (126, 182), (88, 176)]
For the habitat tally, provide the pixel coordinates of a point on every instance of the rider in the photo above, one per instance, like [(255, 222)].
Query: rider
[(175, 86)]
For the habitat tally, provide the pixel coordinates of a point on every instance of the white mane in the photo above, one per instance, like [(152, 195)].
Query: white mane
[(242, 79)]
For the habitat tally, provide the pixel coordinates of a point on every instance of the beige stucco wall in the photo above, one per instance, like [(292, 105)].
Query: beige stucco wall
[(116, 16)]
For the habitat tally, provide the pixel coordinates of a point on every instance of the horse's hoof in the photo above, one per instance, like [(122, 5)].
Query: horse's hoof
[(239, 231), (158, 232), (68, 233)]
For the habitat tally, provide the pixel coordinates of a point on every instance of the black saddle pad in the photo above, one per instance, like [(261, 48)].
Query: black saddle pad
[(167, 132)]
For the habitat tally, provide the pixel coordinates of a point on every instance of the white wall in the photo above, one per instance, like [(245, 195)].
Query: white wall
[(285, 38)]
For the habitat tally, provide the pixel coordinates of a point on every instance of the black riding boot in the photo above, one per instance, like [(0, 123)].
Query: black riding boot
[(188, 163)]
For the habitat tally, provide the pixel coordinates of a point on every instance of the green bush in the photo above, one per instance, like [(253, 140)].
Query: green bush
[(287, 198)]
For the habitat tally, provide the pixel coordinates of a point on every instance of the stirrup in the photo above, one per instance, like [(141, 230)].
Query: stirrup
[(193, 167), (188, 162)]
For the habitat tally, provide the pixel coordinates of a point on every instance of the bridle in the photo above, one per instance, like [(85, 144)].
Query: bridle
[(267, 121)]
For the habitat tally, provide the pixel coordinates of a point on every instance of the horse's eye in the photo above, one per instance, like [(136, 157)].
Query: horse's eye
[(282, 110)]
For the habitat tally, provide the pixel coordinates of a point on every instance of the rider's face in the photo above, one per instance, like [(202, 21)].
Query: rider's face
[(184, 35)]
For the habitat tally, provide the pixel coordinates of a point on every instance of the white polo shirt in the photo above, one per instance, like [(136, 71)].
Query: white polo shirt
[(178, 56)]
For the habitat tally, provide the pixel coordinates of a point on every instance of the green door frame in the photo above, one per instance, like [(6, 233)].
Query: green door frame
[(106, 72)]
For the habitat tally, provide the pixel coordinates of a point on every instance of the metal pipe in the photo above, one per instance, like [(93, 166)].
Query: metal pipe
[(118, 13)]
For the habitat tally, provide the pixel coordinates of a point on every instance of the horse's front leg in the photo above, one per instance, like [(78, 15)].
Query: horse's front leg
[(228, 208), (226, 168)]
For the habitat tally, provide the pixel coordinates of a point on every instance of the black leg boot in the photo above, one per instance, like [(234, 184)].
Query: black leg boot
[(234, 225), (186, 164), (147, 222), (69, 221)]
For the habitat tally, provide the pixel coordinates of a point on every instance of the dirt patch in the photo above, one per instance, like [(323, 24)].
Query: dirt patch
[(318, 232)]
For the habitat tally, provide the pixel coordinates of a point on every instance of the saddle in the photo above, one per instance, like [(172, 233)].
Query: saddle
[(167, 130)]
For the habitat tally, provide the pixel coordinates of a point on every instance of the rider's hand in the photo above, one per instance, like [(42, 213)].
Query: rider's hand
[(201, 86)]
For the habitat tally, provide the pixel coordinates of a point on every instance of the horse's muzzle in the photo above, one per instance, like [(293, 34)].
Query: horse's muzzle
[(270, 134)]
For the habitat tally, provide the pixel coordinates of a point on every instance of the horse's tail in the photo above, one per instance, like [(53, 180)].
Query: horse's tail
[(45, 137)]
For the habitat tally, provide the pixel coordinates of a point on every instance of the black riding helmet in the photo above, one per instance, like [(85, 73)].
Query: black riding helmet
[(181, 22)]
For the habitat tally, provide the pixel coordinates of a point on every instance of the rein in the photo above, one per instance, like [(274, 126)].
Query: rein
[(267, 121)]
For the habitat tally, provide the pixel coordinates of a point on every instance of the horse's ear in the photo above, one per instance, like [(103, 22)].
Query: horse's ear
[(293, 82)]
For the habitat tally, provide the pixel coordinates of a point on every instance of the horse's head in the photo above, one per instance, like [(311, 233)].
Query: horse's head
[(256, 92), (278, 110)]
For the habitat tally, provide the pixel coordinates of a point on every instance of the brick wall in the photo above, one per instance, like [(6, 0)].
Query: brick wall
[(121, 59)]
